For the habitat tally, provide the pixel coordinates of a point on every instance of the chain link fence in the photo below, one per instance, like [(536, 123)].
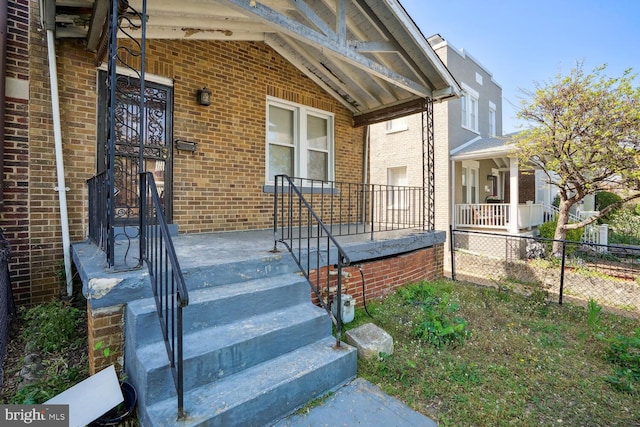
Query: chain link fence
[(6, 300), (565, 270)]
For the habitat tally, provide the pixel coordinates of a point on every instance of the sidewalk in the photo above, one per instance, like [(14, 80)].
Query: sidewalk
[(359, 403)]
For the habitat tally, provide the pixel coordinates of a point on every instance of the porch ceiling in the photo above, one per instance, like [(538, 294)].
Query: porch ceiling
[(368, 54)]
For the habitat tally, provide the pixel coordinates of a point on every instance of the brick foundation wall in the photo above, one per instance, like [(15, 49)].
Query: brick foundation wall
[(383, 276), (105, 326)]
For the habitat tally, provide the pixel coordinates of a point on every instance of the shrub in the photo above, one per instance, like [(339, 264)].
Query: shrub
[(604, 199), (548, 229), (624, 227)]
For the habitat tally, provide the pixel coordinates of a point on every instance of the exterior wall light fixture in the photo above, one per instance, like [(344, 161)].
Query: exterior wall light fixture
[(204, 96)]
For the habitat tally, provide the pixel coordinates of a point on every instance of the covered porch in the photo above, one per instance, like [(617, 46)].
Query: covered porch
[(498, 216), (188, 180), (490, 189)]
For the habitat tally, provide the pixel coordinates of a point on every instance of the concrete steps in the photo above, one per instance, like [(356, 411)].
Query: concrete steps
[(254, 351)]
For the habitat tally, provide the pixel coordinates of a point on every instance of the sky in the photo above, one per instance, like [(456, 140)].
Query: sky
[(524, 42)]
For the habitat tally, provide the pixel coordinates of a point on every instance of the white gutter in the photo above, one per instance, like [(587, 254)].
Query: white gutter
[(48, 14)]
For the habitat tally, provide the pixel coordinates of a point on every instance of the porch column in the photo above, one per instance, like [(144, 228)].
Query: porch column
[(513, 196)]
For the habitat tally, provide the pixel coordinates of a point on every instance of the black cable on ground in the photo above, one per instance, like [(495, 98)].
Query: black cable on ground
[(364, 298)]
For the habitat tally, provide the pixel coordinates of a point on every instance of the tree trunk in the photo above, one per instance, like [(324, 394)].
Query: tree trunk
[(561, 231)]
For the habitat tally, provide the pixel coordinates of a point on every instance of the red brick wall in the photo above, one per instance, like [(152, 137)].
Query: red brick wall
[(384, 276), (14, 218), (217, 188), (105, 332)]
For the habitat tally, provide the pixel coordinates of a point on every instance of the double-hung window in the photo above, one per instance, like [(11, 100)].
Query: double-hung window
[(469, 181), (299, 141), (492, 119), (469, 108)]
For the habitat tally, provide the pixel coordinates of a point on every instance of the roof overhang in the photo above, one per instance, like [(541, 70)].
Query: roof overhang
[(368, 54), (498, 149)]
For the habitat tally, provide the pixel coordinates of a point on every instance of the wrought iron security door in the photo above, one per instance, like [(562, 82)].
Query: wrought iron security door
[(157, 147)]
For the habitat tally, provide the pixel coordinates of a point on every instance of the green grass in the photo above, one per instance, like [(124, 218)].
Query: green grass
[(522, 361)]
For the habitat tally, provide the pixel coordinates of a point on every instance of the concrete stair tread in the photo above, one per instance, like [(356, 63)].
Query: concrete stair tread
[(154, 356), (205, 294), (257, 382)]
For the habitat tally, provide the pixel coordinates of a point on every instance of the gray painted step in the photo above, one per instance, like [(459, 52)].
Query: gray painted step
[(262, 394), (214, 353), (226, 304), (204, 271)]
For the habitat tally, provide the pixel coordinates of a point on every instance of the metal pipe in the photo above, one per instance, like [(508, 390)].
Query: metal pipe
[(49, 17), (365, 174)]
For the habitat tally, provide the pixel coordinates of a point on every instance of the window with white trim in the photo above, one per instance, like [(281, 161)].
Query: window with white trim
[(397, 125), (469, 181), (469, 103), (397, 194), (492, 119), (299, 141)]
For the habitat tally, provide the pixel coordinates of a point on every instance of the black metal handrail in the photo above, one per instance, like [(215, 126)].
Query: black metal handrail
[(312, 245), (351, 209), (167, 281), (98, 214)]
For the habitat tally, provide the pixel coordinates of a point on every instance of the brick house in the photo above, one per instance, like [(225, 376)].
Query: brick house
[(234, 93)]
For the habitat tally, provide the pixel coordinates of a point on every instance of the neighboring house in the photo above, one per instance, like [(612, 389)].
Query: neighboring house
[(479, 185), (235, 92)]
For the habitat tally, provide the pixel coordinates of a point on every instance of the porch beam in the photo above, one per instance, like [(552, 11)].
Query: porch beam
[(372, 47), (330, 45), (97, 24), (401, 109)]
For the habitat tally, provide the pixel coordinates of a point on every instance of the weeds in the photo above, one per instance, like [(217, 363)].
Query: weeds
[(438, 326), (51, 326), (528, 363), (594, 314), (624, 353), (54, 330)]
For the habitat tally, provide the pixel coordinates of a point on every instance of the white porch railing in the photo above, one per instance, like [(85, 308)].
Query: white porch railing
[(594, 233), (496, 215), (530, 215)]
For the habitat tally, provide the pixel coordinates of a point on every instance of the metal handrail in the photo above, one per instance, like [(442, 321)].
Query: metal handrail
[(314, 249), (357, 208), (99, 224), (167, 281)]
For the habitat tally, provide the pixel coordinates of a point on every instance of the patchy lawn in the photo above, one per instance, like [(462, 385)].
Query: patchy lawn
[(469, 355)]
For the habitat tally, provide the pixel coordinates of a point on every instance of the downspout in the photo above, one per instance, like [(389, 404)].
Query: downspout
[(48, 12), (365, 175)]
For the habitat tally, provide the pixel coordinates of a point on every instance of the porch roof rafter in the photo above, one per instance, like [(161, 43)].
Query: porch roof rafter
[(368, 54)]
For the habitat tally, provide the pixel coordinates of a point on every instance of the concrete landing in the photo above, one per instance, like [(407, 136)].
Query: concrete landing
[(359, 403)]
